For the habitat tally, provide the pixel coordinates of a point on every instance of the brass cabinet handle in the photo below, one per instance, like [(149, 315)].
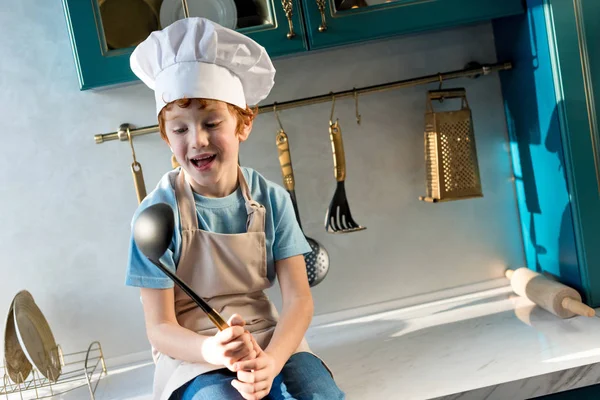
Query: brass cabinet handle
[(321, 5), (288, 7)]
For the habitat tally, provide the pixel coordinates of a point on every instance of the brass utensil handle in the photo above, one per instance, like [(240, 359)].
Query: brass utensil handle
[(285, 160), (138, 181), (288, 7), (337, 147), (321, 6), (174, 162), (216, 319)]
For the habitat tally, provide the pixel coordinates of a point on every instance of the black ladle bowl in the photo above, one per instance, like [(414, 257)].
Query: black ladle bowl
[(153, 232)]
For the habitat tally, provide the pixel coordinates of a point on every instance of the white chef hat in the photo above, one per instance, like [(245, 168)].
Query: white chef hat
[(198, 58)]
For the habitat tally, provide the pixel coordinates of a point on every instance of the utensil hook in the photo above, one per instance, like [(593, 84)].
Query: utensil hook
[(441, 99), (356, 105), (135, 164), (332, 107), (277, 116)]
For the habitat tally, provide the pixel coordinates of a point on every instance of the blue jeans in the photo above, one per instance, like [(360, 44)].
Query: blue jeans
[(303, 377)]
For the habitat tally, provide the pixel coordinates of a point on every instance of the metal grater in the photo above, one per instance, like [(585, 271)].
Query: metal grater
[(451, 164)]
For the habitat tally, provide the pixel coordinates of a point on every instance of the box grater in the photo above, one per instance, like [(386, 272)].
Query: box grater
[(452, 169)]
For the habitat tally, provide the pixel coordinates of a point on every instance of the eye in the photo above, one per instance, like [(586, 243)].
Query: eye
[(180, 130), (212, 125)]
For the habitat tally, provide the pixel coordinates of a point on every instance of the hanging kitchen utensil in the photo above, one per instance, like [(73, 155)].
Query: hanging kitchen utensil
[(136, 170), (35, 336), (174, 162), (451, 164), (338, 218), (317, 261), (152, 232), (16, 363)]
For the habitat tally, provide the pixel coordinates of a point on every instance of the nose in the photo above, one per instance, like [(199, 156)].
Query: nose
[(201, 138)]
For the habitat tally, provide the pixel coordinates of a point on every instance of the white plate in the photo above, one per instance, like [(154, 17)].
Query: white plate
[(223, 12)]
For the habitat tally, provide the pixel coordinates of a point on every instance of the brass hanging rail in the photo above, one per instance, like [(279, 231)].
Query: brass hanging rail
[(472, 70)]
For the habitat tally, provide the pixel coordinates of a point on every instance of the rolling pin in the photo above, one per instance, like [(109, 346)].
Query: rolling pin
[(561, 300)]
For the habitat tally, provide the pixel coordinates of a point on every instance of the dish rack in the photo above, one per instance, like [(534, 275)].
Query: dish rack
[(83, 368)]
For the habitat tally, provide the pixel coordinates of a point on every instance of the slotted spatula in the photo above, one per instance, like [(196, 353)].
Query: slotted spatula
[(317, 261), (338, 218)]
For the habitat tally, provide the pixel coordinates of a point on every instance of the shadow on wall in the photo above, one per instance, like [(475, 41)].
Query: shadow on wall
[(532, 115)]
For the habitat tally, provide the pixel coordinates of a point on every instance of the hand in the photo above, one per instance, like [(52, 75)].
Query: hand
[(230, 345), (255, 377)]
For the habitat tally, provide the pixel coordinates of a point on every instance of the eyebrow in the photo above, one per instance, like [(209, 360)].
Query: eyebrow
[(207, 108)]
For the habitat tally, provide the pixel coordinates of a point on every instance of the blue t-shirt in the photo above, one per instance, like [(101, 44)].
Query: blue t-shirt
[(228, 215)]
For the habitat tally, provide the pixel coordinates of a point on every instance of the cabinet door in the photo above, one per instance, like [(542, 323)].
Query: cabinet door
[(104, 32), (575, 30), (552, 101), (335, 22)]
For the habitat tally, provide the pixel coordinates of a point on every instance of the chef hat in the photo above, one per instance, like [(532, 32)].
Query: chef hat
[(197, 58)]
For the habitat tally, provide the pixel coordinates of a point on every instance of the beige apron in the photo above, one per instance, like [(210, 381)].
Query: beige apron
[(229, 271)]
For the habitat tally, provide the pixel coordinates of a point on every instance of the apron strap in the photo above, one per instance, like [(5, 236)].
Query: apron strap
[(256, 211), (186, 203)]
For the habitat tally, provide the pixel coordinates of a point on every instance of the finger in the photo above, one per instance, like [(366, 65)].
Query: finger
[(249, 388), (242, 343), (242, 387), (255, 345), (246, 377), (261, 394), (250, 356), (252, 377), (240, 355), (256, 364), (260, 375), (229, 334), (237, 320)]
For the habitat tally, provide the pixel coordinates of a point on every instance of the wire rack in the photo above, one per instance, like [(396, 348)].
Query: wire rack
[(84, 368)]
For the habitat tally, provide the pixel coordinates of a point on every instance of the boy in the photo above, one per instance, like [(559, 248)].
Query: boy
[(235, 231)]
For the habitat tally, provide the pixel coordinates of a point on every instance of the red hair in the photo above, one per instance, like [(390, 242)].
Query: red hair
[(243, 116)]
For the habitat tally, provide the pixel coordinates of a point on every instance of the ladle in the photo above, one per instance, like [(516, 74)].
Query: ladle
[(152, 232)]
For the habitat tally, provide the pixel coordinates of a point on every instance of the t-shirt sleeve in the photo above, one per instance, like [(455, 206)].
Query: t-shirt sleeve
[(141, 272), (289, 240)]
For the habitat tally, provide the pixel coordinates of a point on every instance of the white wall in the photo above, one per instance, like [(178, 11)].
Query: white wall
[(67, 202)]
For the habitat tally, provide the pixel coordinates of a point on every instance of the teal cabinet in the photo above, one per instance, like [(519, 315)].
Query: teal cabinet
[(552, 103), (351, 21), (104, 33)]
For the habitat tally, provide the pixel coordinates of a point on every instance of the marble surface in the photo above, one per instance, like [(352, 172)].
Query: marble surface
[(492, 345), (488, 345)]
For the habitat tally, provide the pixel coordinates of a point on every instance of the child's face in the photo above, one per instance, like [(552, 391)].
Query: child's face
[(206, 145)]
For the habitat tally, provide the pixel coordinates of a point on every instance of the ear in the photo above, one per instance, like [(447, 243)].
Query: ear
[(245, 131)]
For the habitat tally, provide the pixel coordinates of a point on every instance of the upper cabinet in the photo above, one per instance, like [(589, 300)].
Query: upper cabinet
[(336, 22), (105, 32)]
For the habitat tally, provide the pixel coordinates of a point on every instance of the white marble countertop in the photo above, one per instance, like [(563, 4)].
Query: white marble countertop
[(492, 345)]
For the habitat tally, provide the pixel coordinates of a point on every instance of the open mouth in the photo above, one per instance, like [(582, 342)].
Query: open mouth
[(204, 161)]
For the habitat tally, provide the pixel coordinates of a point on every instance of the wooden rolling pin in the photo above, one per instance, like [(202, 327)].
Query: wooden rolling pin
[(552, 296)]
